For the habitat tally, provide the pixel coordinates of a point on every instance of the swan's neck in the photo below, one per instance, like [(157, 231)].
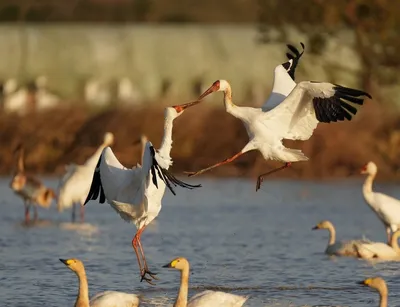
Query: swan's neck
[(394, 241), (166, 144), (332, 234), (181, 300), (83, 296), (383, 299)]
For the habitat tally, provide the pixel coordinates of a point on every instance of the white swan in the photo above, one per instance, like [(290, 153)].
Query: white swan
[(74, 186), (342, 248), (103, 299), (206, 298), (380, 250), (379, 285), (386, 207)]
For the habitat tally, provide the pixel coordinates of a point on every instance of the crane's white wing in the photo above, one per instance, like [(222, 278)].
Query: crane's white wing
[(114, 299), (284, 76), (310, 103), (388, 208), (210, 298)]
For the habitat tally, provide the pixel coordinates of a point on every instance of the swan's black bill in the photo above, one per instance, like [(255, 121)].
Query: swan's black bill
[(64, 261), (315, 228), (167, 265)]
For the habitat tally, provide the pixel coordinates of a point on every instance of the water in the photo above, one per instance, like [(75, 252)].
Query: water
[(258, 244)]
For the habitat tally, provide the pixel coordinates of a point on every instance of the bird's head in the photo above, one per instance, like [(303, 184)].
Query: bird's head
[(177, 110), (370, 168), (322, 225), (73, 264), (108, 138), (217, 86), (179, 263), (377, 283)]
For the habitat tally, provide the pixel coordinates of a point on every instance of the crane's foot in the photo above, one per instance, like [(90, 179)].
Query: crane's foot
[(145, 272), (260, 179)]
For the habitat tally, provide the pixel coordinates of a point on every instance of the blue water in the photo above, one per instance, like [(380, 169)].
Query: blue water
[(258, 244)]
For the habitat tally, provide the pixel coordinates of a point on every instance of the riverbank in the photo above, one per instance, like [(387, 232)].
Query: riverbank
[(202, 136)]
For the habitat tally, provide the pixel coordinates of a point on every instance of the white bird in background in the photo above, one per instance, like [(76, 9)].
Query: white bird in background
[(136, 194), (74, 186), (386, 207), (102, 299), (380, 250), (202, 299), (295, 118)]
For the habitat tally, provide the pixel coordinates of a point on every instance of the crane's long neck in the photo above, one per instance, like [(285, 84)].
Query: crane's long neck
[(181, 300), (332, 234), (83, 295), (394, 241), (230, 107), (166, 144), (367, 188)]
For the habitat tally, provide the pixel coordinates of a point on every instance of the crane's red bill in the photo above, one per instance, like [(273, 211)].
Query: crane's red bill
[(181, 107), (209, 91), (364, 168)]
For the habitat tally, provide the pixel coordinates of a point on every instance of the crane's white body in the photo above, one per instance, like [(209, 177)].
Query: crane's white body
[(132, 193), (387, 208), (211, 298), (114, 299), (294, 118), (74, 186)]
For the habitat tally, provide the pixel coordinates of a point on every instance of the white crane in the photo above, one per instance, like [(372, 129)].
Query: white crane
[(295, 118), (386, 207), (74, 186), (136, 194)]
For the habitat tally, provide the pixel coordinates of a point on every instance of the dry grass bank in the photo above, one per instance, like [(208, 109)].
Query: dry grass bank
[(202, 136)]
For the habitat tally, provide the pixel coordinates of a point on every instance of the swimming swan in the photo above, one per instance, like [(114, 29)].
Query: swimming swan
[(342, 248), (380, 250), (103, 299), (206, 298)]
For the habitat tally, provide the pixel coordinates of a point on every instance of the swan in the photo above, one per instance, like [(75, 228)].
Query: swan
[(380, 250), (386, 207), (103, 299), (74, 186), (342, 248), (379, 285), (206, 298)]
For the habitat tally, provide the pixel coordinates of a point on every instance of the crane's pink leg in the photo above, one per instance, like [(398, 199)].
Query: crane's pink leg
[(190, 174), (35, 216), (146, 268), (135, 248), (143, 268), (261, 177)]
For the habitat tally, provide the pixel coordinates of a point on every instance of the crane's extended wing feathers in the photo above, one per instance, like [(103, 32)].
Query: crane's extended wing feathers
[(96, 188), (167, 176), (291, 67)]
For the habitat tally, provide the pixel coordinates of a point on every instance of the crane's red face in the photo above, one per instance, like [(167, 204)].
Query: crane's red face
[(213, 88)]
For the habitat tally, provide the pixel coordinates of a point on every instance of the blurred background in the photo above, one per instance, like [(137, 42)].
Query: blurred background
[(71, 70)]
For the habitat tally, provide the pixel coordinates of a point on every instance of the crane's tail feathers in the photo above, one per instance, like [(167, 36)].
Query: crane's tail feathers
[(96, 188), (167, 176), (293, 155)]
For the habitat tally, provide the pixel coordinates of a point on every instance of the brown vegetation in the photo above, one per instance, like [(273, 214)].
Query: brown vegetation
[(202, 136)]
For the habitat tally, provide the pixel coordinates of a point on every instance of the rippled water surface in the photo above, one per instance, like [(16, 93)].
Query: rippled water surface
[(258, 244)]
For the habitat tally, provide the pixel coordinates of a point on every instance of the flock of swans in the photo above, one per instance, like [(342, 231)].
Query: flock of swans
[(136, 193)]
